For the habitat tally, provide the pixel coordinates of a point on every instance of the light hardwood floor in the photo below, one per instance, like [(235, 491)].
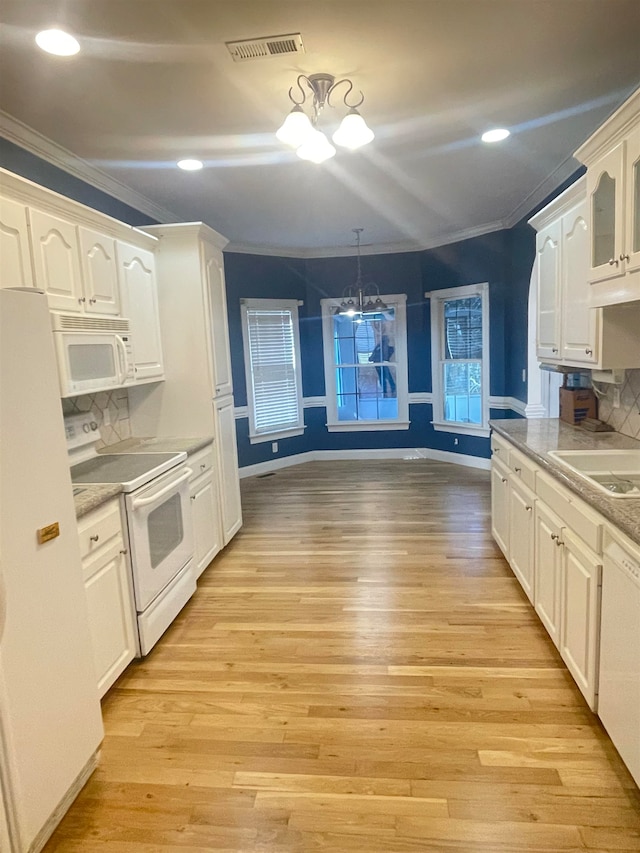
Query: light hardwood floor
[(358, 671)]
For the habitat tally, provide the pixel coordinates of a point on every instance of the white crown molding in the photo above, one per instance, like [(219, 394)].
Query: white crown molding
[(544, 189), (573, 195), (401, 454), (615, 128), (29, 139), (188, 231)]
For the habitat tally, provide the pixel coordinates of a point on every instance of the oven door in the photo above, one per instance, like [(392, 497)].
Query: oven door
[(160, 533)]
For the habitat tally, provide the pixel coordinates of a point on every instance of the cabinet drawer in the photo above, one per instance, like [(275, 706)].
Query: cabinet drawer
[(579, 517), (99, 529), (523, 467), (200, 462), (500, 448)]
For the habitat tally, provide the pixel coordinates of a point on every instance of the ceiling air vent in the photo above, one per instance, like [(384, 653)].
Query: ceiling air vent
[(241, 51)]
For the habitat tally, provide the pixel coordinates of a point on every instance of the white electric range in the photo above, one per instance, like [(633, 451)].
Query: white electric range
[(158, 522)]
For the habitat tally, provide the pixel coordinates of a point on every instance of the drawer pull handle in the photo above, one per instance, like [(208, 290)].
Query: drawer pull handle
[(589, 351), (94, 538)]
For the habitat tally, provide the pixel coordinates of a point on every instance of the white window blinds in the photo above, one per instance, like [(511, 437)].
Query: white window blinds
[(272, 365)]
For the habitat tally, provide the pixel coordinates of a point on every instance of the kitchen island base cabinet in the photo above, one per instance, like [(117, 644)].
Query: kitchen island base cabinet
[(109, 594)]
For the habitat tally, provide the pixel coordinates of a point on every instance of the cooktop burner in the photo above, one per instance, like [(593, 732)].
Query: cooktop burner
[(132, 470)]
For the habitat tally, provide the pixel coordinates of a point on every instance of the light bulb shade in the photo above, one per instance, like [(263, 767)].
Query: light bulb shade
[(316, 148), (353, 131), (296, 128)]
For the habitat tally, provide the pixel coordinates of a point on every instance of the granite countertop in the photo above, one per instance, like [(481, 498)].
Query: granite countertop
[(87, 498), (166, 444), (535, 437)]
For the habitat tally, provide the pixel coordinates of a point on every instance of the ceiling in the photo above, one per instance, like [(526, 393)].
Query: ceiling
[(154, 83)]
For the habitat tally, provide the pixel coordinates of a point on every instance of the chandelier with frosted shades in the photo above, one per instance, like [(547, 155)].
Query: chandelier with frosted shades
[(301, 132)]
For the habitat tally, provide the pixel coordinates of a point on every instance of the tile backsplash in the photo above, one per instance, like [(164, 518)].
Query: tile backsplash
[(115, 403), (626, 418)]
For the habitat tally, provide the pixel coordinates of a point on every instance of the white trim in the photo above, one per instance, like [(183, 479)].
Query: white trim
[(277, 436), (511, 403), (402, 247), (240, 412), (277, 305), (314, 402), (562, 204), (419, 398), (29, 139), (438, 297), (611, 131), (559, 175), (407, 454), (367, 426)]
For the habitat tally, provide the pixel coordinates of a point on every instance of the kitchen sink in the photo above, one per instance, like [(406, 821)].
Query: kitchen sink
[(616, 472)]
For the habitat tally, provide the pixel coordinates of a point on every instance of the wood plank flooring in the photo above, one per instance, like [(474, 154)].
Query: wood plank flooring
[(358, 671)]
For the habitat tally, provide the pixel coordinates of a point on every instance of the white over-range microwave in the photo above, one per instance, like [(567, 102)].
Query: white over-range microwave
[(94, 353)]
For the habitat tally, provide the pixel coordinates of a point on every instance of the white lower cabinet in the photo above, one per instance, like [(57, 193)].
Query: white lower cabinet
[(553, 542), (227, 457), (522, 534), (548, 569), (580, 617), (109, 593), (205, 505)]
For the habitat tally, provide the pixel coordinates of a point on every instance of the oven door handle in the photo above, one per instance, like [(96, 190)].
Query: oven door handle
[(136, 503)]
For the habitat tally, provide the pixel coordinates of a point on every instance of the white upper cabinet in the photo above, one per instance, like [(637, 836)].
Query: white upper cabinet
[(100, 272), (612, 158), (56, 260), (137, 275), (568, 330), (15, 251)]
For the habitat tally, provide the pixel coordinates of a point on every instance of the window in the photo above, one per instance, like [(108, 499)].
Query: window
[(272, 368), (365, 365), (460, 359)]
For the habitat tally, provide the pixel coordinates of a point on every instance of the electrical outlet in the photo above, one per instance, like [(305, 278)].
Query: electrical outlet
[(616, 398), (524, 374), (274, 446)]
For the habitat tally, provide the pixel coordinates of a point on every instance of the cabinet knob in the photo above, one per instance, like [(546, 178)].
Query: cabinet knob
[(555, 536), (94, 538), (528, 508), (81, 299), (517, 470), (92, 301), (203, 466), (559, 542), (624, 258), (589, 351), (613, 262), (555, 349), (124, 551), (193, 497), (504, 479)]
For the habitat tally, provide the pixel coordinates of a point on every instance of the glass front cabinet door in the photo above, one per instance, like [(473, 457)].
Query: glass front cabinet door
[(632, 170), (605, 192)]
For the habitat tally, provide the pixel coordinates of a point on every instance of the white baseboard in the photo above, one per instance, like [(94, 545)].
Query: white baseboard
[(406, 453)]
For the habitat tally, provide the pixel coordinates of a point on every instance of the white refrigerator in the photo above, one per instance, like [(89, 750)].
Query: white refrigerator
[(50, 719)]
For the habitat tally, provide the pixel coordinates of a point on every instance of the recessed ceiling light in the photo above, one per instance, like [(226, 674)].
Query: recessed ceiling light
[(190, 165), (57, 42), (496, 135)]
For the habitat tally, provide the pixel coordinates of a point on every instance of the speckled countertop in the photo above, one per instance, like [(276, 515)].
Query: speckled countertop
[(535, 437), (90, 497)]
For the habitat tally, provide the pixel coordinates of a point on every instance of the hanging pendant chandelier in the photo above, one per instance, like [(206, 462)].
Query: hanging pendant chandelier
[(358, 298), (301, 132)]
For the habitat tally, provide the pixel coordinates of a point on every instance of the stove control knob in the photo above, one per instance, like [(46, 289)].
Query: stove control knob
[(94, 426), (85, 427)]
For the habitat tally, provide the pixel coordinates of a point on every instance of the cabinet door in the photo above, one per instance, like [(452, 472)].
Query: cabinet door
[(206, 521), (15, 251), (111, 620), (140, 303), (548, 569), (500, 506), (521, 534), (632, 201), (606, 214), (100, 272), (548, 253), (227, 454), (580, 620), (56, 261), (220, 354), (579, 323)]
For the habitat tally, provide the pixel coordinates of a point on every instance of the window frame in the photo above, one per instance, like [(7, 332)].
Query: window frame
[(398, 301), (438, 298), (277, 305)]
